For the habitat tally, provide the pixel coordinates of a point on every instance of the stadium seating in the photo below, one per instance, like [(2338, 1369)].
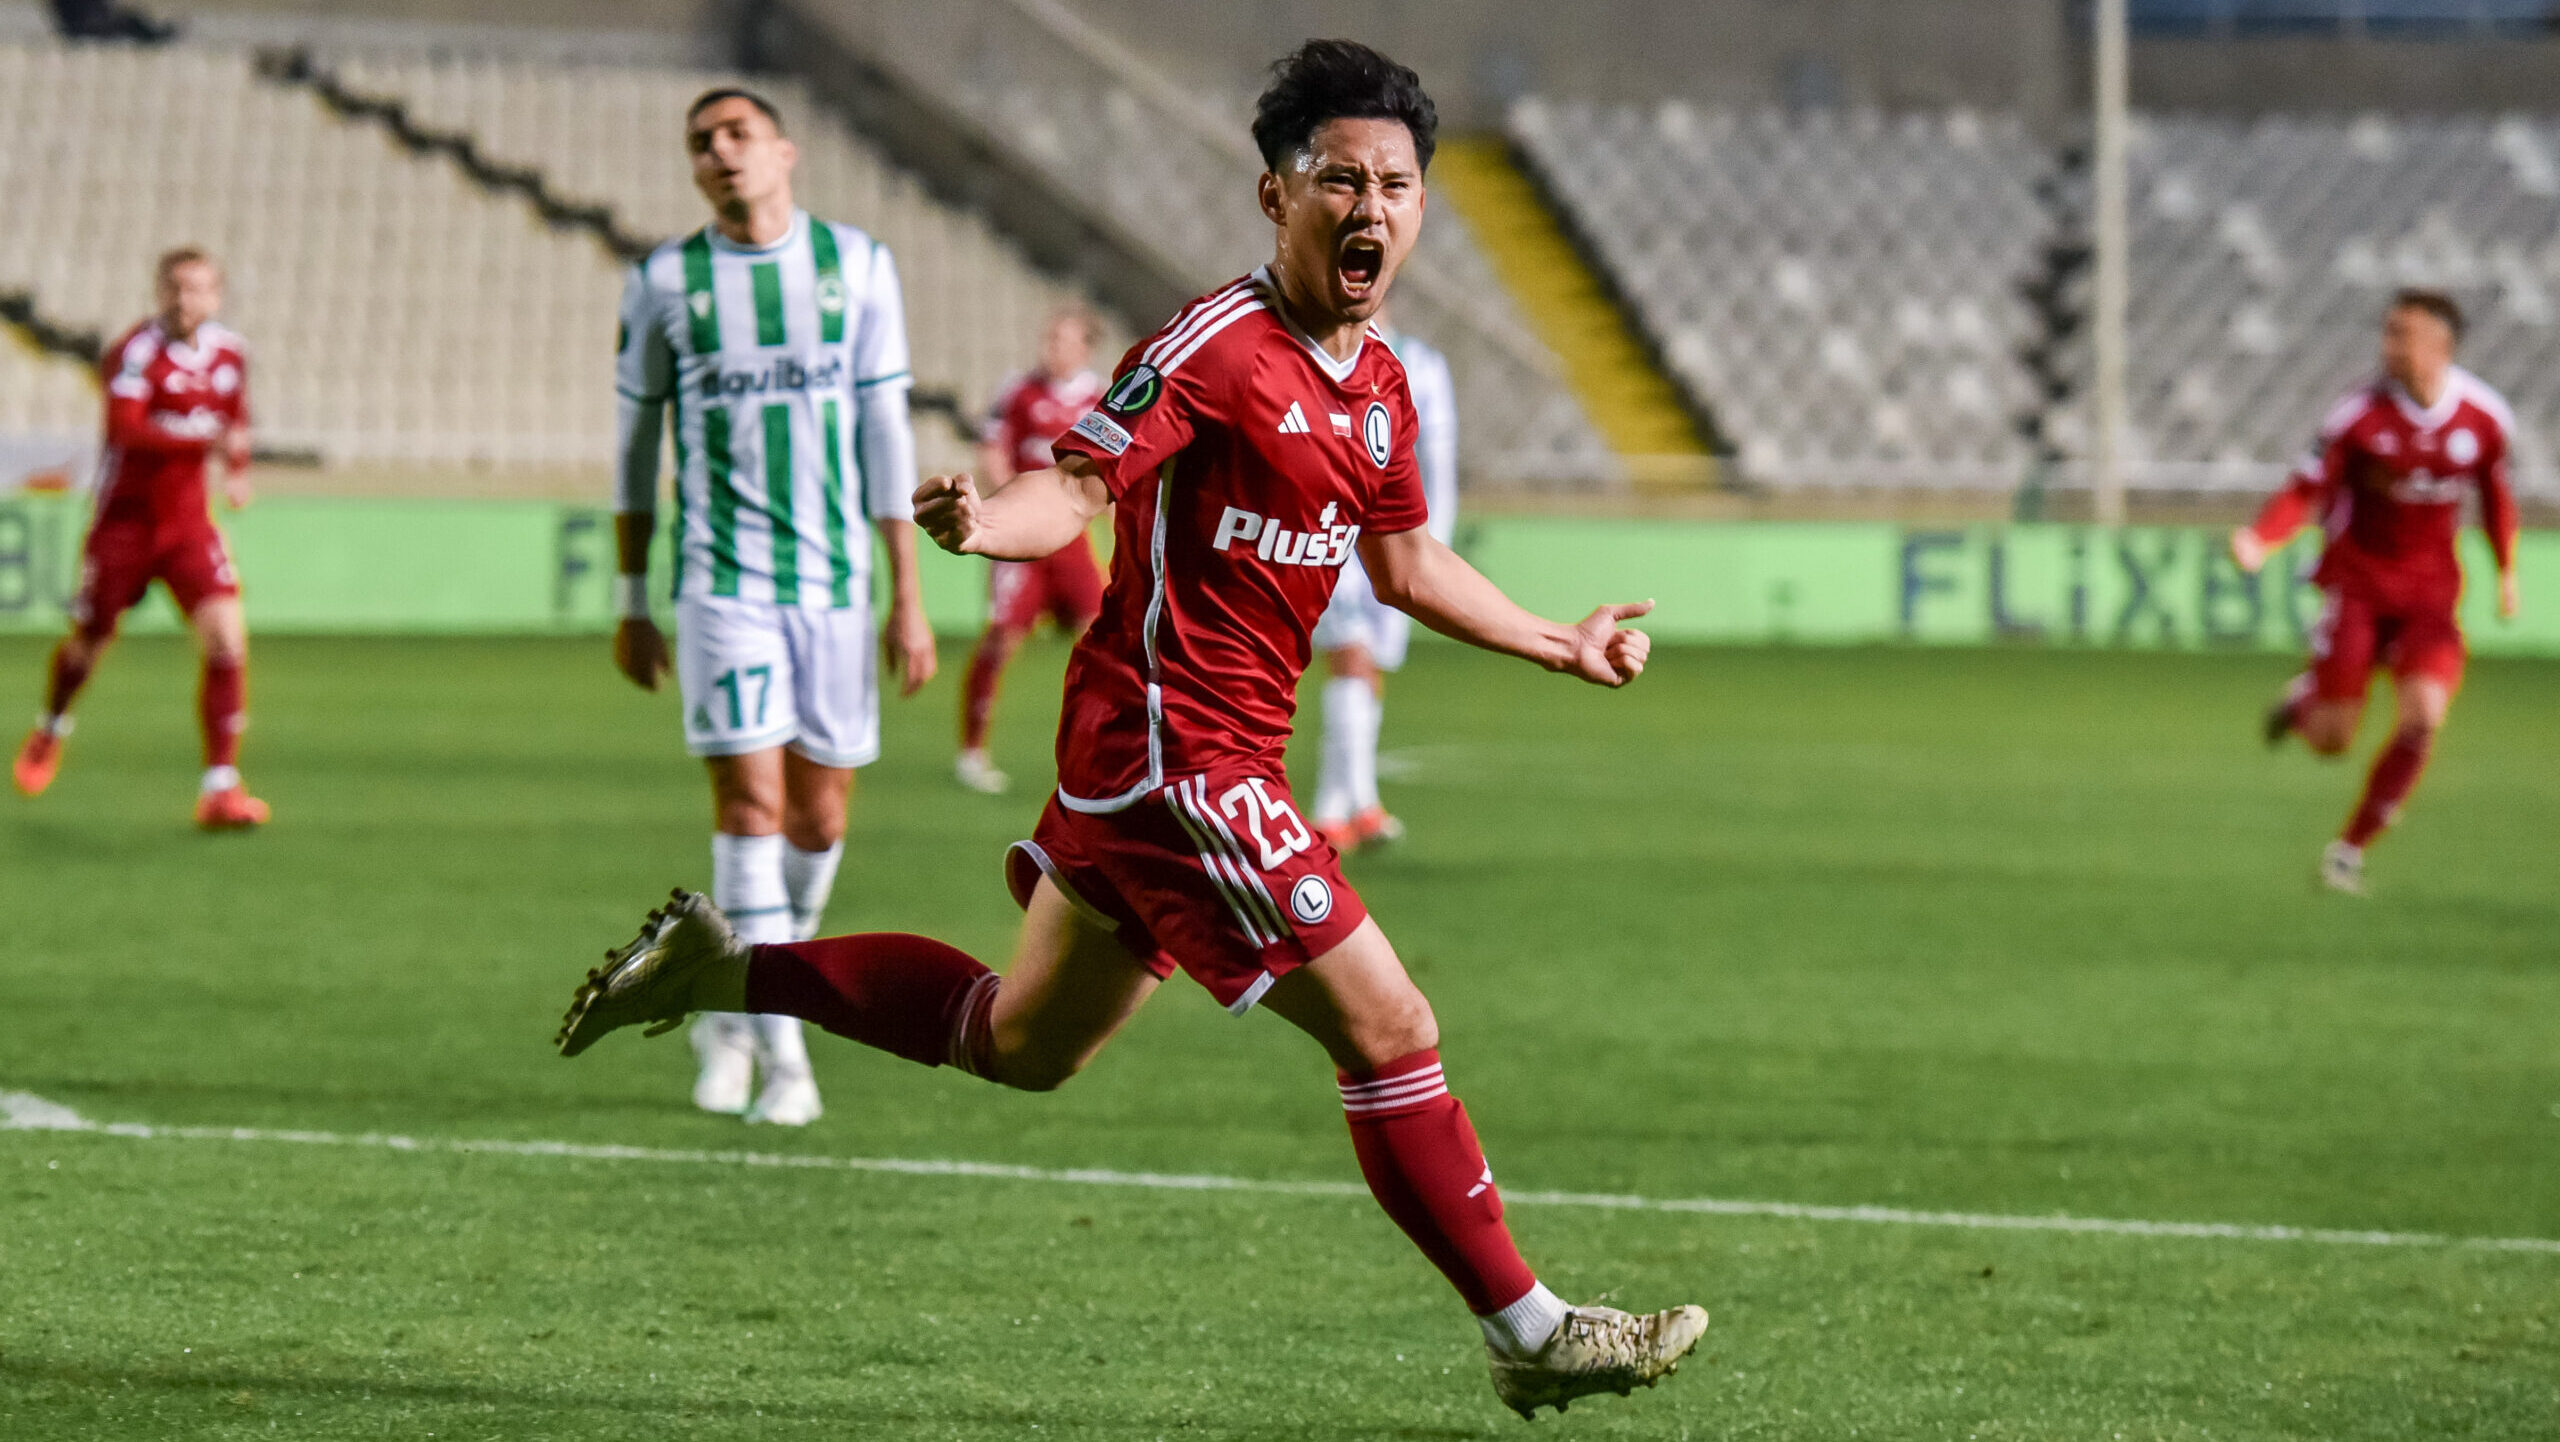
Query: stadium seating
[(1843, 292), (396, 310), (392, 308), (1846, 293), (1171, 159), (2263, 253), (612, 135)]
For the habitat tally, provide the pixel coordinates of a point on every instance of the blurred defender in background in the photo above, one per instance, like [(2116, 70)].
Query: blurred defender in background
[(1363, 638), (780, 340), (177, 392), (1030, 413), (2386, 481)]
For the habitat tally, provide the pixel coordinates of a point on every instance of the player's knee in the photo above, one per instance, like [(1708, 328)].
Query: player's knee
[(2417, 730), (736, 814), (1397, 1031)]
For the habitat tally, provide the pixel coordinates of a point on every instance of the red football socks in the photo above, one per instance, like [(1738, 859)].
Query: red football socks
[(910, 996), (220, 700), (63, 681), (1424, 1167), (978, 693), (2394, 776)]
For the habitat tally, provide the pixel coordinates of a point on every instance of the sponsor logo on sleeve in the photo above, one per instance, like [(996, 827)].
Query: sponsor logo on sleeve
[(1137, 388), (1103, 431), (1377, 431)]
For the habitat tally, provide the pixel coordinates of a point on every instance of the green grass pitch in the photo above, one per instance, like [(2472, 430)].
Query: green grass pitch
[(1990, 932)]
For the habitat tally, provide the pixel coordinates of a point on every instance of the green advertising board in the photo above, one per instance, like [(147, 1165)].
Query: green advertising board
[(356, 566)]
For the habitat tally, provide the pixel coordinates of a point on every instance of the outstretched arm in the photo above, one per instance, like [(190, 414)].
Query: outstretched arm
[(2498, 518), (2315, 478), (1031, 516), (1422, 577)]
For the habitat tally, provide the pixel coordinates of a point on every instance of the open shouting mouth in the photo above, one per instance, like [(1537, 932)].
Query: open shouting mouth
[(1360, 265)]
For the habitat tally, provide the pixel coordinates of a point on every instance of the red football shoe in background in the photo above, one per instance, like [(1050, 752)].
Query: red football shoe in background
[(37, 761), (231, 809)]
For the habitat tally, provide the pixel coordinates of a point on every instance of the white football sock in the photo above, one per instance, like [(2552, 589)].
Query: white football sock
[(781, 1047), (746, 884), (220, 778), (1364, 748), (1523, 1327), (808, 876), (1345, 698)]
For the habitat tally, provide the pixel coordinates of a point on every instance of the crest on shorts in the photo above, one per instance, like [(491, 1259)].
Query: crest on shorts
[(1311, 901), (1138, 388), (1378, 433)]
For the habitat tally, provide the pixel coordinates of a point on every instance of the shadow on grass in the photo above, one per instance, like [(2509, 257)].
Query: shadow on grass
[(247, 1388)]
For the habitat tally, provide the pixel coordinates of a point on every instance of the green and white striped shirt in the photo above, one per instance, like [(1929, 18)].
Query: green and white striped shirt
[(787, 367)]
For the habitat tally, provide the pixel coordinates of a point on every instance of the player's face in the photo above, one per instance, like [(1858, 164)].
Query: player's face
[(1348, 209), (2417, 346), (739, 158), (1067, 347), (190, 295)]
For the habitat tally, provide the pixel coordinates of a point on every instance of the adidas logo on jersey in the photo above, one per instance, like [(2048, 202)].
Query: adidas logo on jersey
[(1293, 424), (1329, 544)]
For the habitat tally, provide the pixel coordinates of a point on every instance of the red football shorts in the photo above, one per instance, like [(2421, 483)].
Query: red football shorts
[(123, 557), (1065, 586), (2353, 634), (1217, 875)]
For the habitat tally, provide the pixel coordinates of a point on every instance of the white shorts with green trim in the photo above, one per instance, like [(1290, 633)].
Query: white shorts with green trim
[(755, 675)]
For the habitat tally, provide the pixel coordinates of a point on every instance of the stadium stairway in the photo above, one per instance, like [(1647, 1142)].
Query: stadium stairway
[(1636, 407)]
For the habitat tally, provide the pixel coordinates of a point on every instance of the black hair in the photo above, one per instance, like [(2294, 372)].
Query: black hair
[(2434, 302), (1339, 80), (714, 96)]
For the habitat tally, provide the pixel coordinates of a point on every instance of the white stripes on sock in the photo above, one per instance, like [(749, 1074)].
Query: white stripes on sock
[(1363, 1098)]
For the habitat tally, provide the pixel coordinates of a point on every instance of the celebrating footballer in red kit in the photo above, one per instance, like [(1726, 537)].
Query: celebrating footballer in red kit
[(2386, 483), (1029, 415), (177, 392), (1251, 447)]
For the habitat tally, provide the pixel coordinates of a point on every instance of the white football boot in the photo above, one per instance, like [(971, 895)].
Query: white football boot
[(2342, 868), (725, 1052), (1597, 1349), (975, 771), (651, 982)]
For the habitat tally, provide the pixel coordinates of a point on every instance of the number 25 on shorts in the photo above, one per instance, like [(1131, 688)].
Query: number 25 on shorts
[(1250, 804)]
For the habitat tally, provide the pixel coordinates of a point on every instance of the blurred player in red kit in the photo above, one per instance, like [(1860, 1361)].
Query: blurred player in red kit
[(2386, 482), (1250, 447), (177, 392), (1029, 415)]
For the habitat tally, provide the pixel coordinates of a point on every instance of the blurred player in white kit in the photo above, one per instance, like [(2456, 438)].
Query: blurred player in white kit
[(1363, 638)]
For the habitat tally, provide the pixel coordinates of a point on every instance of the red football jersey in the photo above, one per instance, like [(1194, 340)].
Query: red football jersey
[(1032, 411), (2387, 480), (168, 404), (1245, 462)]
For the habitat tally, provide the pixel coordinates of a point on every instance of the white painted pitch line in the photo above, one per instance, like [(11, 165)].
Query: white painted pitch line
[(25, 1111)]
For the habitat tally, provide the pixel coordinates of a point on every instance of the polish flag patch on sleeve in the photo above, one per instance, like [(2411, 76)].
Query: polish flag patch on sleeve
[(1104, 432)]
